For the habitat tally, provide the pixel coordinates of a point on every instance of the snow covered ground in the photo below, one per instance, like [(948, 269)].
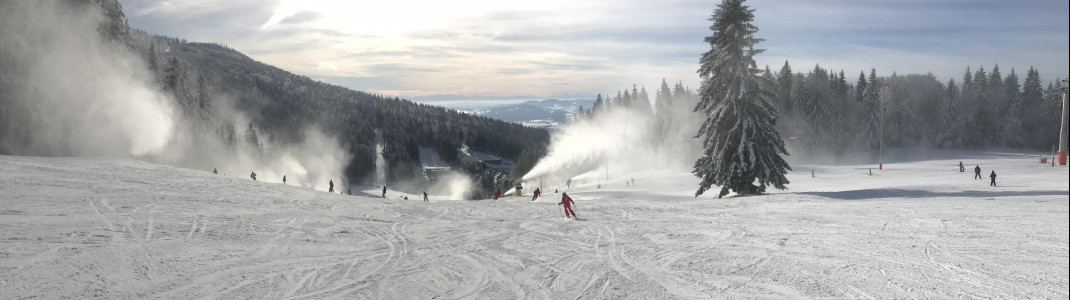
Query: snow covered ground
[(94, 227)]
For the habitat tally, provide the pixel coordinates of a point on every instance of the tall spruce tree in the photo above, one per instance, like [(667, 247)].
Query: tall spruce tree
[(1033, 107), (741, 144), (871, 111), (1011, 112), (950, 135)]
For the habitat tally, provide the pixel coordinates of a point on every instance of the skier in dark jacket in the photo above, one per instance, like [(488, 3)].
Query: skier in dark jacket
[(993, 175), (331, 186), (567, 202), (252, 175), (384, 191), (425, 197), (977, 172), (283, 179)]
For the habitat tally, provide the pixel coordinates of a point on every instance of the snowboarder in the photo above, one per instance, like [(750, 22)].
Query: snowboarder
[(961, 167), (283, 179), (425, 197), (214, 171), (993, 175), (330, 189), (977, 172), (252, 175), (406, 198), (537, 192), (567, 202), (497, 194), (384, 191)]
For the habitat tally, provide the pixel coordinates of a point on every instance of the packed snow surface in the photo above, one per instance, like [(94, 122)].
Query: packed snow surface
[(91, 227)]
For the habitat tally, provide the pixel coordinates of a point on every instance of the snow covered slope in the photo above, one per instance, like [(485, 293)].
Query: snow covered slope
[(86, 227)]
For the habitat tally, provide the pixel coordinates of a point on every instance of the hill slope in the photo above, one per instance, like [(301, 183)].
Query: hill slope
[(77, 227)]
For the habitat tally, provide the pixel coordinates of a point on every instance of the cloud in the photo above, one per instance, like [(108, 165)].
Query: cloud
[(494, 48), (302, 17)]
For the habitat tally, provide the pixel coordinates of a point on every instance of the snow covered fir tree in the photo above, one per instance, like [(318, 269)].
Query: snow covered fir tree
[(741, 142)]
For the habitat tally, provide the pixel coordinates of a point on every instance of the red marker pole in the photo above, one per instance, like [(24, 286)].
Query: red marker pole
[(1062, 132)]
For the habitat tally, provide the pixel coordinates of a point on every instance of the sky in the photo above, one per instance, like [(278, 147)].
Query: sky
[(486, 49)]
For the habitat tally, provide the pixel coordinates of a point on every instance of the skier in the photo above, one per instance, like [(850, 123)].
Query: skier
[(283, 179), (214, 171), (331, 188), (567, 202), (993, 183), (349, 191), (252, 175), (497, 194), (961, 167), (977, 172), (425, 197), (568, 183), (537, 192), (384, 191)]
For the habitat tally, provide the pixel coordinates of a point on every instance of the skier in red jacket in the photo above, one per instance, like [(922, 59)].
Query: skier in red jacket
[(497, 194), (536, 193), (565, 200)]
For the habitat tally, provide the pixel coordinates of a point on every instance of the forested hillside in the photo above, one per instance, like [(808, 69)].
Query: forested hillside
[(280, 103), (228, 102)]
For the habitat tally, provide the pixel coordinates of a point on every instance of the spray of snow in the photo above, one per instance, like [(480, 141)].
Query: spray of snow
[(79, 95), (380, 161), (615, 146), (454, 185)]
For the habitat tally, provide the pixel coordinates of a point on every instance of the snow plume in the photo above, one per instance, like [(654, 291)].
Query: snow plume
[(71, 93), (65, 91), (614, 146), (455, 185)]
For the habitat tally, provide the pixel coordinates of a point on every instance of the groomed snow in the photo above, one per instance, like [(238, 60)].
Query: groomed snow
[(90, 227)]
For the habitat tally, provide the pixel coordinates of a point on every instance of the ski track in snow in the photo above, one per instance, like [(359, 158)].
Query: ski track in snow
[(110, 228)]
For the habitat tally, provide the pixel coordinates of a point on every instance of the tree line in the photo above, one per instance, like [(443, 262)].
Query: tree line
[(280, 104), (826, 114)]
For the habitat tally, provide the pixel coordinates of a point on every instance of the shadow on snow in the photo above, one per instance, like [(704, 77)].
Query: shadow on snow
[(901, 193)]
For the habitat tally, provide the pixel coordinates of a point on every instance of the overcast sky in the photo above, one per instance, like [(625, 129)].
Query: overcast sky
[(548, 48)]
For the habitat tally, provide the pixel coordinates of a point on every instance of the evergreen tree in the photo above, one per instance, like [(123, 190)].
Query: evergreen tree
[(784, 87), (642, 102), (741, 143), (251, 138), (871, 113), (1032, 113), (663, 100), (598, 106), (950, 135), (860, 87), (154, 67), (1011, 113)]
